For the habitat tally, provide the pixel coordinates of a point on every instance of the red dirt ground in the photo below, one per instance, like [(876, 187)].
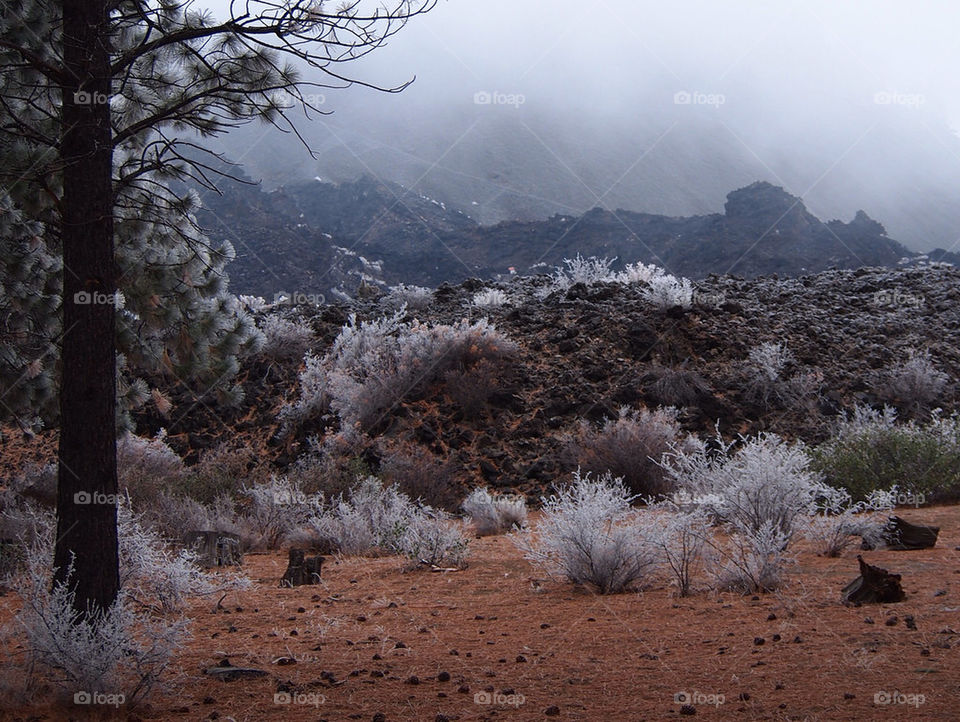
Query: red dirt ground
[(499, 628)]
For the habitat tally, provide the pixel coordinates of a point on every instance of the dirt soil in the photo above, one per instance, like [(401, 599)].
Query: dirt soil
[(498, 641)]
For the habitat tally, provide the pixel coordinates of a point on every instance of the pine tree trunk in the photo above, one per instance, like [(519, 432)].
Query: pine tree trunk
[(87, 479)]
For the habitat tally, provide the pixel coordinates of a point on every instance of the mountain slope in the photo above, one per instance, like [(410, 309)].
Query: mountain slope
[(323, 238)]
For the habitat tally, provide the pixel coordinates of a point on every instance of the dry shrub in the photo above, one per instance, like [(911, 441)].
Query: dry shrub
[(419, 474), (679, 387), (471, 388), (629, 447)]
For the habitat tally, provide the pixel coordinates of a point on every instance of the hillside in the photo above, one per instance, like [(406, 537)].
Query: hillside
[(584, 353)]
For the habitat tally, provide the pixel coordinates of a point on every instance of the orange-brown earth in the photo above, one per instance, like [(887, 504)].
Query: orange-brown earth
[(376, 640)]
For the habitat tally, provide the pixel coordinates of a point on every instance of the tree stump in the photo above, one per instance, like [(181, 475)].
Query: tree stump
[(215, 548), (901, 535), (301, 570), (873, 586)]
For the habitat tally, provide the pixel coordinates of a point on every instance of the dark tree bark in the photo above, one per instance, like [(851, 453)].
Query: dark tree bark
[(873, 586), (301, 570), (900, 535), (87, 477)]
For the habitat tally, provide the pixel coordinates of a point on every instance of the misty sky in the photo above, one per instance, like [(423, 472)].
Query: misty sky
[(819, 79), (809, 54)]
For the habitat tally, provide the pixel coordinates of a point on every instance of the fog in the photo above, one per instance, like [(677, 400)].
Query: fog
[(528, 108)]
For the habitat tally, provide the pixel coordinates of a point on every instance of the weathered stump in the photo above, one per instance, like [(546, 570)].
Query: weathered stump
[(901, 535), (215, 548), (301, 570), (873, 586)]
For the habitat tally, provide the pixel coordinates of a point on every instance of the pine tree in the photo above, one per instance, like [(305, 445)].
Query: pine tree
[(102, 107)]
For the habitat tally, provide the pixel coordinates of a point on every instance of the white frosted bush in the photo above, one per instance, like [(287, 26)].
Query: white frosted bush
[(764, 493), (375, 364), (914, 385), (413, 297), (753, 560), (770, 359), (125, 649), (588, 534), (582, 270), (490, 298), (681, 538), (838, 519), (431, 538), (666, 291), (252, 304), (116, 652), (495, 514), (285, 339), (276, 508), (373, 518), (765, 480), (155, 576), (638, 273), (145, 467)]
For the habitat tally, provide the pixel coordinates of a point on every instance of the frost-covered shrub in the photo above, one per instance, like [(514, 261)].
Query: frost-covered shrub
[(765, 382), (870, 451), (155, 576), (629, 447), (374, 518), (753, 560), (490, 298), (252, 304), (495, 513), (119, 651), (679, 387), (914, 386), (583, 270), (432, 538), (838, 519), (589, 534), (147, 467), (638, 273), (767, 481), (175, 516), (681, 538), (284, 339), (376, 364), (125, 649), (666, 291), (275, 509), (413, 297)]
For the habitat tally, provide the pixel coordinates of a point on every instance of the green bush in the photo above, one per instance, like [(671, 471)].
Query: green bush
[(871, 451)]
